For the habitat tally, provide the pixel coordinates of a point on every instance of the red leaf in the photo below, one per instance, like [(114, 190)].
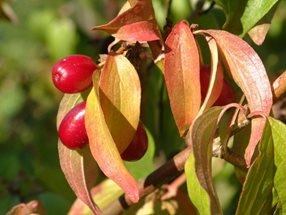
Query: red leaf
[(249, 73), (182, 75), (103, 147), (78, 166), (135, 24), (120, 96)]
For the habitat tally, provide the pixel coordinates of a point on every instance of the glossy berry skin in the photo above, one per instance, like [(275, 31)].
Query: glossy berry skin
[(73, 74), (138, 146), (227, 94), (72, 132)]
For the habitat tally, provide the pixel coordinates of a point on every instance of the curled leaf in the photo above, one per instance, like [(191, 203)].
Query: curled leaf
[(120, 96), (103, 147), (198, 167), (135, 24), (216, 79), (249, 73), (182, 75), (78, 166)]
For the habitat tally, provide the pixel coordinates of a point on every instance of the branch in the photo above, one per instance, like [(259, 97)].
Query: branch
[(197, 10), (164, 174)]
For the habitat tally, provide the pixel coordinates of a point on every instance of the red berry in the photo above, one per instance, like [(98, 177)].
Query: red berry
[(72, 132), (138, 146), (73, 74), (227, 94)]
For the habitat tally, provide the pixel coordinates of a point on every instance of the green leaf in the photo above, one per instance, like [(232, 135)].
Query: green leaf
[(182, 75), (103, 147), (242, 15), (256, 197), (279, 139), (197, 193), (103, 194), (120, 98), (78, 166), (198, 167)]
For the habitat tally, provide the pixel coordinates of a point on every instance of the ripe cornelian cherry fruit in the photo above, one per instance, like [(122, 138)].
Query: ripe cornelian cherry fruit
[(227, 94), (138, 146), (73, 74), (72, 132)]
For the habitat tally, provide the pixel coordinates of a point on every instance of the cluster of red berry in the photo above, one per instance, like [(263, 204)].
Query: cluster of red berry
[(73, 74)]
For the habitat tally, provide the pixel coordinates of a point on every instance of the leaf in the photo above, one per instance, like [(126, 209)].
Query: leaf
[(120, 96), (182, 67), (279, 85), (249, 73), (78, 166), (198, 167), (103, 194), (216, 77), (135, 24), (242, 15), (278, 130), (259, 31), (32, 207), (256, 197), (103, 147)]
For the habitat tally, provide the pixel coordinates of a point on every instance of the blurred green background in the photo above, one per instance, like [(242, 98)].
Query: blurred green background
[(43, 32)]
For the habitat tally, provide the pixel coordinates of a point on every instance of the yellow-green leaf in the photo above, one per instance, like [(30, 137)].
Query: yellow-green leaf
[(103, 147), (120, 96)]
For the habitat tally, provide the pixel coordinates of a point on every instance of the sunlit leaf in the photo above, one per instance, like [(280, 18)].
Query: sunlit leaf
[(103, 147), (256, 197), (103, 194), (78, 166), (216, 77), (249, 73), (198, 167), (135, 24), (242, 15), (279, 85), (120, 96), (182, 75), (278, 130)]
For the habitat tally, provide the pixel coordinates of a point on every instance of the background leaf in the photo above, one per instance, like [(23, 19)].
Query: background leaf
[(242, 15), (249, 73), (103, 148), (181, 72), (120, 98), (256, 197), (198, 167), (78, 166)]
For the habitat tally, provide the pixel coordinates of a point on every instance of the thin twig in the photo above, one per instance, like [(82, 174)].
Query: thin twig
[(197, 10)]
